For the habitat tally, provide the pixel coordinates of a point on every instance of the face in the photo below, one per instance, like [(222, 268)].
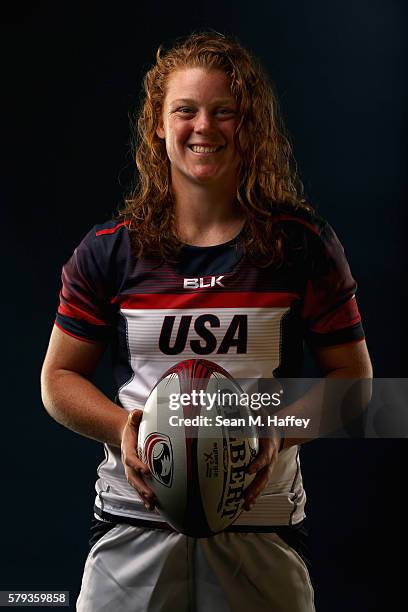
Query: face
[(198, 123)]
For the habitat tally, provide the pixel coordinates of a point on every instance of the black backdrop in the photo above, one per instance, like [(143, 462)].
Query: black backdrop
[(70, 77)]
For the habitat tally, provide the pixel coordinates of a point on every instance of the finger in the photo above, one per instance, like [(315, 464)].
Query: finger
[(145, 492), (259, 462), (268, 451), (136, 466), (140, 486), (263, 458), (255, 488), (258, 485), (130, 459)]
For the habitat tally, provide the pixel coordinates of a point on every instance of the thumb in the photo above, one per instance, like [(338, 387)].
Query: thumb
[(135, 417)]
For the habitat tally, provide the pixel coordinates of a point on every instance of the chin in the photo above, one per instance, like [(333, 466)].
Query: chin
[(205, 177)]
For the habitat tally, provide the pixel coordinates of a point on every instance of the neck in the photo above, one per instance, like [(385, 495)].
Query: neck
[(207, 214)]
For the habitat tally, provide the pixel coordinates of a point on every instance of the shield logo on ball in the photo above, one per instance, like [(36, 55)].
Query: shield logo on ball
[(159, 457)]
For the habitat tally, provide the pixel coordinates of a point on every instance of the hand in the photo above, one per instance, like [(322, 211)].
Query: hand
[(134, 467), (263, 463)]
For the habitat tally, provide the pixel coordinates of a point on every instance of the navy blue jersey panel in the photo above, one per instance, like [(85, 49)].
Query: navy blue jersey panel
[(291, 348), (82, 329), (206, 261), (335, 338), (120, 355)]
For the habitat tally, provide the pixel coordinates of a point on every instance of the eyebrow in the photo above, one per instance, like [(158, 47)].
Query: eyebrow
[(216, 101)]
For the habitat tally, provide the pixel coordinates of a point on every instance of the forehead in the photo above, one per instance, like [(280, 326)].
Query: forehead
[(198, 84)]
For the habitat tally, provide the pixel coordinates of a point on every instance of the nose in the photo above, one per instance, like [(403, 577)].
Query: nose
[(203, 122)]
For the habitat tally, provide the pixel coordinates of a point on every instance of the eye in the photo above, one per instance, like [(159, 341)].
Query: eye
[(185, 110), (226, 112)]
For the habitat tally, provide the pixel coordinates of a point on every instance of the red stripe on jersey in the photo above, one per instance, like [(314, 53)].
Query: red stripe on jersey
[(111, 230), (199, 299), (344, 316), (69, 310), (285, 217), (88, 340)]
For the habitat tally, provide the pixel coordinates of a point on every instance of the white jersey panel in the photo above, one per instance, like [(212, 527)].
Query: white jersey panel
[(261, 357), (283, 500)]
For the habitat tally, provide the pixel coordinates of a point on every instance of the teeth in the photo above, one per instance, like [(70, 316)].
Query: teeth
[(198, 149)]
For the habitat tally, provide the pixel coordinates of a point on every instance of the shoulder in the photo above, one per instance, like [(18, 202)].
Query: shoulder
[(101, 255), (107, 233), (311, 238), (308, 227), (113, 227), (105, 240), (302, 220)]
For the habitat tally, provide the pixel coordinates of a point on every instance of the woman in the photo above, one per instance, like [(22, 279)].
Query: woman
[(216, 253)]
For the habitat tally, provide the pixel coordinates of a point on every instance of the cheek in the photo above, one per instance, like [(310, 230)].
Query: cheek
[(180, 132), (230, 132), (176, 138)]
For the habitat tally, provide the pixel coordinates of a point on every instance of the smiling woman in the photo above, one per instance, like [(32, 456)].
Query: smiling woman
[(198, 124), (215, 253), (207, 90)]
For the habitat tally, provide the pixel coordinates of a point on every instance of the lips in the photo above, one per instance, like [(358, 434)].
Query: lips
[(205, 148)]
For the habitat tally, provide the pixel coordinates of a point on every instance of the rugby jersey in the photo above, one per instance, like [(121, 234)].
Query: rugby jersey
[(211, 303)]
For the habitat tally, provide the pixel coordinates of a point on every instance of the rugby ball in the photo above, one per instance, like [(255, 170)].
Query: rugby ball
[(197, 442)]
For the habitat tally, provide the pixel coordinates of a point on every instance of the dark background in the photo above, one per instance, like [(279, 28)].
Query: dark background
[(69, 78)]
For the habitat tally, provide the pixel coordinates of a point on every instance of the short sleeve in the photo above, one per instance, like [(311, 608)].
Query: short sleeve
[(330, 312), (84, 310)]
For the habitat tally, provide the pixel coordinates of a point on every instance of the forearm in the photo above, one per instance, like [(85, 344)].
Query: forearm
[(75, 402)]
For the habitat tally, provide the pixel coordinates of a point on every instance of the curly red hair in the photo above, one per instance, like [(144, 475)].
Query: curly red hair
[(268, 178)]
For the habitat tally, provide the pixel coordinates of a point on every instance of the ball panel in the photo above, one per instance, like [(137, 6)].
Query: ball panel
[(198, 474), (223, 459), (171, 495)]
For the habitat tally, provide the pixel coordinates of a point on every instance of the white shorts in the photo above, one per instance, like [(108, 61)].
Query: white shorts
[(134, 569)]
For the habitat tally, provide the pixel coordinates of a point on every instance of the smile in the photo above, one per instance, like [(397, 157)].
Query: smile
[(202, 149)]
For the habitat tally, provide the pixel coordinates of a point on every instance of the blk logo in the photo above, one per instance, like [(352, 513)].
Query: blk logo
[(199, 335), (203, 282)]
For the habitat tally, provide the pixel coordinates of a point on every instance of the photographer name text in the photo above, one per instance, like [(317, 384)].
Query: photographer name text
[(221, 421)]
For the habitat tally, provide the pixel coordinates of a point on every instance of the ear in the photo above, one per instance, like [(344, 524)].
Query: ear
[(160, 129)]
